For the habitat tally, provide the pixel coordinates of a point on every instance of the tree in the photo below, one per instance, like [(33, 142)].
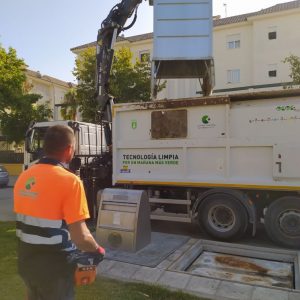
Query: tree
[(294, 62), (17, 106), (129, 82), (84, 71), (69, 109), (15, 123)]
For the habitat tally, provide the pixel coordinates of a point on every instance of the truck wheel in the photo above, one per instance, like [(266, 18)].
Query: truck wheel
[(282, 221), (223, 216)]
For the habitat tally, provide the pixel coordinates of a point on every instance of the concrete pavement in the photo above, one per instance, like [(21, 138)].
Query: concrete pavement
[(200, 286)]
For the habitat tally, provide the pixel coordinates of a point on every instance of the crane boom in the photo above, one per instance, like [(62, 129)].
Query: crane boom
[(191, 58), (110, 29)]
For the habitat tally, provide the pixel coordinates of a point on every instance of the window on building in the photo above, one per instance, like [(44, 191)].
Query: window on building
[(233, 76), (233, 41), (272, 33), (272, 70), (144, 56), (272, 73)]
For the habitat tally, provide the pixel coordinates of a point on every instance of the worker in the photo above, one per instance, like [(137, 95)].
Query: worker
[(51, 208)]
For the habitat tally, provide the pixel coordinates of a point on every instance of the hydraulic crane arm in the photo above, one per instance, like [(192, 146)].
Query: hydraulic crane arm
[(110, 29)]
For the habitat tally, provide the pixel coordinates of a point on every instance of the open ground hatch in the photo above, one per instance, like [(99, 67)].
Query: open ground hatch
[(267, 267), (243, 269)]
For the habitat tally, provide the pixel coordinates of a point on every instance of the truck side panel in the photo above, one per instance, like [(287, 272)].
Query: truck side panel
[(250, 144)]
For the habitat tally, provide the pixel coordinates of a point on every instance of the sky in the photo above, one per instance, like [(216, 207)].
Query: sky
[(44, 31)]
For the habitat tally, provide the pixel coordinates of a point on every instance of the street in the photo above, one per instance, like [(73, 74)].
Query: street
[(193, 230), (6, 201)]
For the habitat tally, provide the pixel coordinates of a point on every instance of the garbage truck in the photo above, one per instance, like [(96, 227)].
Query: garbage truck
[(228, 162), (224, 161)]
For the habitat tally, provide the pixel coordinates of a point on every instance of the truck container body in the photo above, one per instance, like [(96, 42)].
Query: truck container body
[(223, 161), (254, 144)]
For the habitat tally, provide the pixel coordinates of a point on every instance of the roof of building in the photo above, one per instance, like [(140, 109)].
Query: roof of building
[(273, 9), (216, 22), (38, 75), (130, 39)]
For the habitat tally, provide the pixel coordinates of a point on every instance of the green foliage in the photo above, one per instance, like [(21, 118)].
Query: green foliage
[(15, 123), (128, 82), (131, 82), (294, 62), (17, 107), (12, 76), (69, 109), (85, 68)]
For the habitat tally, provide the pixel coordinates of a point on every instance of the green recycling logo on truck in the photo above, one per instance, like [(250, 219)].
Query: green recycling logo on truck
[(206, 122), (205, 119)]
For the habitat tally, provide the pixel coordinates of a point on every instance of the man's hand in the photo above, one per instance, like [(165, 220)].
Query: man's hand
[(82, 237), (101, 250), (85, 258)]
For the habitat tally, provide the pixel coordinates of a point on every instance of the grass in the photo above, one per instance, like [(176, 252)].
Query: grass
[(105, 289), (12, 287)]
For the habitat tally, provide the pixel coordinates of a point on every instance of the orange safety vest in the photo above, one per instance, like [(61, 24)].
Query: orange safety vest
[(47, 197)]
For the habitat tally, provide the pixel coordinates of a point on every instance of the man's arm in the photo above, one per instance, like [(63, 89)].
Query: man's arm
[(82, 237)]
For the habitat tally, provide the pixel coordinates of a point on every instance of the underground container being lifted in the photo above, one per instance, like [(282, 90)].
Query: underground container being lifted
[(182, 42), (223, 161)]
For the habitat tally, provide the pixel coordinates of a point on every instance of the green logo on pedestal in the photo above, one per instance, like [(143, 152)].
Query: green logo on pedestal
[(29, 183)]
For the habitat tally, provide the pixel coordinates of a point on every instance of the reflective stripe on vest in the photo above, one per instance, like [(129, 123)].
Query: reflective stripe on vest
[(28, 220), (38, 240), (40, 231)]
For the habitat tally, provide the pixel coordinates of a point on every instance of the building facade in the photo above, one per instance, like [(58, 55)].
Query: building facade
[(51, 89), (249, 50)]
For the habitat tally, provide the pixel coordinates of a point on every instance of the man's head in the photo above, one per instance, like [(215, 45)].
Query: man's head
[(59, 143)]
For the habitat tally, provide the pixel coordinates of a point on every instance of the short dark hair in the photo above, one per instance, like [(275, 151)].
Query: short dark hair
[(57, 139)]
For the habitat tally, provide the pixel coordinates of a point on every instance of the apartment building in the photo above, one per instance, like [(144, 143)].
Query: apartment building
[(248, 51), (51, 89)]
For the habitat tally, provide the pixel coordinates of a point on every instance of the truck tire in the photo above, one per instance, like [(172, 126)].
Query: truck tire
[(223, 216), (282, 221)]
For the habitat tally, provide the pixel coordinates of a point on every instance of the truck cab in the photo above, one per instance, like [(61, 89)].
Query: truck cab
[(90, 141)]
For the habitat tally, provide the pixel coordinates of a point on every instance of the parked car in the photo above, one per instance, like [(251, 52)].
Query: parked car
[(4, 176)]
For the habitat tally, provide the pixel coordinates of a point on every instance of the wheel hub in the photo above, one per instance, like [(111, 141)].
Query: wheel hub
[(222, 218), (290, 222)]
